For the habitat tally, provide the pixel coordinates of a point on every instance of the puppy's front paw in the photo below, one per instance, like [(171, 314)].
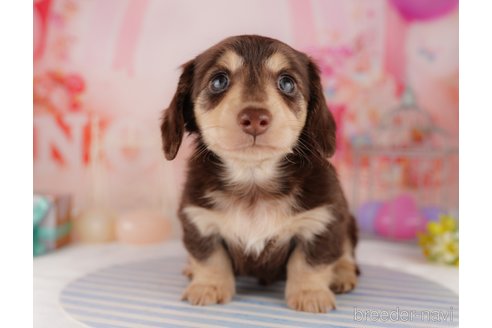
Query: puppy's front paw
[(187, 271), (344, 283), (315, 301), (206, 294)]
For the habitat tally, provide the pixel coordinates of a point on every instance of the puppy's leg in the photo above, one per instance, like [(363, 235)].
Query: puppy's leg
[(212, 279), (307, 285), (187, 270), (346, 270), (345, 273), (209, 266)]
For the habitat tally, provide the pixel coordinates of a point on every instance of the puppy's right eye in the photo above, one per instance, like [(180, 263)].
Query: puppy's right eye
[(219, 83)]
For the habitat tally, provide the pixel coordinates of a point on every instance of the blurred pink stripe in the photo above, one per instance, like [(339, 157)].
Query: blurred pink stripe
[(304, 23), (129, 34), (40, 21), (395, 52), (100, 36), (335, 15)]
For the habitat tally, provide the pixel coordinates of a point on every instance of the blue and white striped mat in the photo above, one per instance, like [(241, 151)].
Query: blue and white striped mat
[(147, 294)]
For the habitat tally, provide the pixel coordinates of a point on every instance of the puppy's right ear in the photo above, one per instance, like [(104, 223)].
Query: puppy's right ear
[(173, 121)]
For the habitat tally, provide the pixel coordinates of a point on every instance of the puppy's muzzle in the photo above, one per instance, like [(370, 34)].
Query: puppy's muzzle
[(254, 121)]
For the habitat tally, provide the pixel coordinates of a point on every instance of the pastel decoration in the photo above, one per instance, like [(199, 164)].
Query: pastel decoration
[(431, 213), (75, 83), (129, 34), (95, 225), (41, 21), (440, 242), (339, 112), (395, 45), (399, 218), (423, 9), (51, 222), (366, 214), (142, 227)]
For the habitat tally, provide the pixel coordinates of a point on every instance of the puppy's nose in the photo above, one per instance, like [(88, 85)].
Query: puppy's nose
[(254, 121)]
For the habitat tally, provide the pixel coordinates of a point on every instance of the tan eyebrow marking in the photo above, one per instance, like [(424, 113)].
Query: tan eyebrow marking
[(277, 62), (231, 60)]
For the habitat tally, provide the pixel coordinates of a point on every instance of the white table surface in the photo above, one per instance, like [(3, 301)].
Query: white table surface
[(53, 271)]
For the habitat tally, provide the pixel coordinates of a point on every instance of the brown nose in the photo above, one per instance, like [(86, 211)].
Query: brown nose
[(254, 121)]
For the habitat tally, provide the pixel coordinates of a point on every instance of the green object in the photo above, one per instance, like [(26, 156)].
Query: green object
[(42, 235), (41, 207)]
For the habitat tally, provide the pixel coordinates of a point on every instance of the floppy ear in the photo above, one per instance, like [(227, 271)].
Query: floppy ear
[(320, 124), (175, 116)]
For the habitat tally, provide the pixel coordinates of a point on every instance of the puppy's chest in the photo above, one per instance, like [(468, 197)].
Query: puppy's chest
[(253, 227), (256, 226)]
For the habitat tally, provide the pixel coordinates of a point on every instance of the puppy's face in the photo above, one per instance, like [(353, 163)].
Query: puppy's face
[(252, 106), (250, 98)]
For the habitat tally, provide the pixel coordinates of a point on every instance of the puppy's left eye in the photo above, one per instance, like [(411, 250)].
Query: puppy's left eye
[(219, 83), (286, 84)]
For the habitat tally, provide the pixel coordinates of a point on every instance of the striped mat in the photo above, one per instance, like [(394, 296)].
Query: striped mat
[(147, 294)]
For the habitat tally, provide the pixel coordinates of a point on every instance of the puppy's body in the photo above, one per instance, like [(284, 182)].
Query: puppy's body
[(261, 199)]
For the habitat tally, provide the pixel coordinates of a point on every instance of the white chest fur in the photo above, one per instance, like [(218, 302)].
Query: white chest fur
[(251, 227)]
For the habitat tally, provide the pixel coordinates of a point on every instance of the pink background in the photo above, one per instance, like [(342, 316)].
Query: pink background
[(119, 60)]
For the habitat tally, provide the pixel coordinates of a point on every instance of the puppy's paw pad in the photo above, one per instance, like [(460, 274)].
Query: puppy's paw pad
[(315, 301), (344, 283), (206, 294)]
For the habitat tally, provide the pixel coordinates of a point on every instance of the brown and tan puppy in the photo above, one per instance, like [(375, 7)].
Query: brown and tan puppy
[(261, 198)]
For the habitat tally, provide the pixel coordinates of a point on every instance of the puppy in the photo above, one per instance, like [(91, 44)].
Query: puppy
[(261, 198)]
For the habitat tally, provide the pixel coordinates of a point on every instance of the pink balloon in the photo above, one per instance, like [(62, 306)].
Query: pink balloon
[(399, 218), (413, 10)]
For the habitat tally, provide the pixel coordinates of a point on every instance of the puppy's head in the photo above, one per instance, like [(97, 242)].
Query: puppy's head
[(250, 98)]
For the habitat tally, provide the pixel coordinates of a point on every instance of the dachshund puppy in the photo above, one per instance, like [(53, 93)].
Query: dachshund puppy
[(261, 198)]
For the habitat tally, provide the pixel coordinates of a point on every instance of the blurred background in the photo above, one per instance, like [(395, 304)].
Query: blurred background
[(105, 70)]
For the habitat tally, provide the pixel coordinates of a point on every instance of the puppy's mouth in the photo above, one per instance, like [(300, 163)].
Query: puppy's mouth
[(246, 142), (250, 146), (235, 144)]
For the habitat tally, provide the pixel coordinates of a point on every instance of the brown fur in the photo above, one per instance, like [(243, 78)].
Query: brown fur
[(304, 174)]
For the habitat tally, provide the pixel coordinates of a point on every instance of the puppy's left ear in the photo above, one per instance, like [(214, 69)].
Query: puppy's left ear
[(177, 115), (320, 124)]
